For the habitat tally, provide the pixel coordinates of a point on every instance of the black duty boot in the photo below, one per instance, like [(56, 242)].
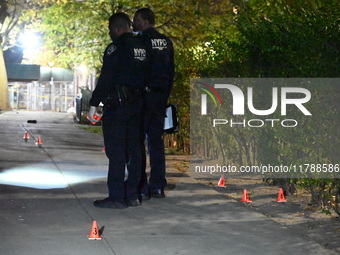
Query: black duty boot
[(133, 202), (108, 203)]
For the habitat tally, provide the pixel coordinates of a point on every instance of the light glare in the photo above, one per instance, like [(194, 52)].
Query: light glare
[(43, 178), (30, 40)]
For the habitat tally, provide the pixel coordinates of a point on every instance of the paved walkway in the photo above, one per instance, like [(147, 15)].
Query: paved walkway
[(47, 191)]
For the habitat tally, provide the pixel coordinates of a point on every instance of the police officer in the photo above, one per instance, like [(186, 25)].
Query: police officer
[(159, 83), (120, 88)]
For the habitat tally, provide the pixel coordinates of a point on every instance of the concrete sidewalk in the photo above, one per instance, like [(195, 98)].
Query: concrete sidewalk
[(47, 192)]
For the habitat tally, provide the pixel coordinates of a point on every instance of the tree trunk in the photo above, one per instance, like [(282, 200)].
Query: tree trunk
[(4, 100)]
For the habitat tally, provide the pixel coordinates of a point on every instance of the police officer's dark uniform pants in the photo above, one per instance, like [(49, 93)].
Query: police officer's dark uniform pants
[(155, 107), (121, 138)]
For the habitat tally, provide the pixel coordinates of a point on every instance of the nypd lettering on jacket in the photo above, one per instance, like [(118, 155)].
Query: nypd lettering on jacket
[(159, 44), (140, 54)]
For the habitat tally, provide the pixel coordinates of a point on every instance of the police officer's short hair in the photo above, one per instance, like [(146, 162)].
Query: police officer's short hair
[(120, 20), (147, 14)]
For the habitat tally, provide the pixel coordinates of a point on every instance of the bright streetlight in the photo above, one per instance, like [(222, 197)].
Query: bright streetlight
[(31, 42)]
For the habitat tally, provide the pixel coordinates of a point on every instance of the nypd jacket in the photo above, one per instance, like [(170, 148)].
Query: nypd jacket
[(161, 59), (124, 64)]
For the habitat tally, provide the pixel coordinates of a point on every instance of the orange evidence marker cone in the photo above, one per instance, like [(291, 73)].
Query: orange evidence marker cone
[(94, 234), (245, 197), (26, 136), (281, 197), (221, 182), (39, 141)]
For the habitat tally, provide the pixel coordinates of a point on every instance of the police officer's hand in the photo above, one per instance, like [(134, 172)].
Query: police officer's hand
[(91, 115)]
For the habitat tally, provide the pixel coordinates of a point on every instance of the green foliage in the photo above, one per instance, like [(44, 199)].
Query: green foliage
[(327, 212), (279, 39), (93, 129), (74, 32)]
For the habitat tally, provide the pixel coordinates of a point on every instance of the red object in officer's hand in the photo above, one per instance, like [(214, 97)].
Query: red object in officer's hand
[(96, 117)]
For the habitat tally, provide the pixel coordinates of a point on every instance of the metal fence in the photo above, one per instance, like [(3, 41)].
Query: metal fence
[(48, 96)]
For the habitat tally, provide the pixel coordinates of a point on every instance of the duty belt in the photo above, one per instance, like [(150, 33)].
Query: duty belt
[(122, 96)]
